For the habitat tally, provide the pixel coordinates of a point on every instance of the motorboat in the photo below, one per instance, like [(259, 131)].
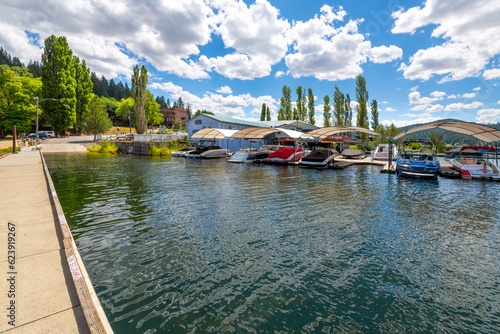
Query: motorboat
[(319, 158), (382, 152), (472, 165), (285, 155), (477, 151), (353, 154), (183, 152), (207, 152), (249, 155), (422, 165)]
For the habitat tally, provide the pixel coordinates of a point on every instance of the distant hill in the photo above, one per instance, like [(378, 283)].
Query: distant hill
[(449, 137)]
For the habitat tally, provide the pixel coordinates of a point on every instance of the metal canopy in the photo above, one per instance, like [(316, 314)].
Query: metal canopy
[(331, 130), (209, 133), (482, 132), (259, 133)]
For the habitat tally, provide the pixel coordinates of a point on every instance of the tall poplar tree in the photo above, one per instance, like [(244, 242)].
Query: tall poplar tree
[(374, 108), (268, 114), (338, 107), (140, 96), (347, 110), (310, 106), (301, 105), (83, 91), (286, 103), (58, 78), (263, 112), (362, 99), (326, 111)]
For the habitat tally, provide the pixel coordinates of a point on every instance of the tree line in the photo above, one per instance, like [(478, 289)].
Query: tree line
[(71, 97)]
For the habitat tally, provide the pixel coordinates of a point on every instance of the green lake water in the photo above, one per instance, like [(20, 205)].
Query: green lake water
[(190, 246)]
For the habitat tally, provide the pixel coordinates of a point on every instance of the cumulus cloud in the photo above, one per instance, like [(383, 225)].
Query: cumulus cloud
[(488, 115), (492, 74), (461, 106), (327, 52), (419, 120), (224, 90), (470, 29), (389, 109), (416, 98), (225, 105)]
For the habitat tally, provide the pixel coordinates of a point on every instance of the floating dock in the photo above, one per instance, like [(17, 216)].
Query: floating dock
[(45, 287)]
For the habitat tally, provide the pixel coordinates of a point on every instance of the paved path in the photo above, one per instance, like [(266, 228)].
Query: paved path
[(45, 296)]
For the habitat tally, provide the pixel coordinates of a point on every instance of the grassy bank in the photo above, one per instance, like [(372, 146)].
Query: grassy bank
[(104, 147)]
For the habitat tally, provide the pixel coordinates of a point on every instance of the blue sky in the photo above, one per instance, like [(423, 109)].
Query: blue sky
[(422, 60)]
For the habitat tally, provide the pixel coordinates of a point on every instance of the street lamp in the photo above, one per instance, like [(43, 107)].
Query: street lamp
[(37, 100)]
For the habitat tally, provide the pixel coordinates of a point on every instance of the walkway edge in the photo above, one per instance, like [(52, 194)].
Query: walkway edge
[(94, 313)]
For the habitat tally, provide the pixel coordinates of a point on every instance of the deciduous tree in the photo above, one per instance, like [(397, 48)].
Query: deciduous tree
[(362, 98), (338, 107), (96, 119), (140, 96), (326, 111), (310, 106), (374, 110), (83, 90)]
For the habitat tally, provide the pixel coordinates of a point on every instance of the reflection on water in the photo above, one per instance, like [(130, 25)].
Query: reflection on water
[(177, 245)]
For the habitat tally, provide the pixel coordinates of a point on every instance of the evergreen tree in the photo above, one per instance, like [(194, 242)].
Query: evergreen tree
[(338, 107), (168, 104), (263, 112), (180, 103), (58, 78), (105, 86), (35, 68), (127, 91), (362, 99), (189, 111), (374, 108), (268, 115), (326, 111), (140, 96), (83, 90), (311, 107), (161, 101)]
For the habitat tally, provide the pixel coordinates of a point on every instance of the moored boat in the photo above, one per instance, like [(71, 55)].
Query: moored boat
[(285, 155), (319, 158), (473, 164), (353, 154), (207, 152), (183, 152), (249, 155), (422, 165), (382, 152)]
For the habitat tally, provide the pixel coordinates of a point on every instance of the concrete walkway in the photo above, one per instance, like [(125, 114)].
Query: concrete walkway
[(41, 287)]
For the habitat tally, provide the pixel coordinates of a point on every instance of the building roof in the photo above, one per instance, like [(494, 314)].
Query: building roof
[(210, 133), (276, 124), (481, 132), (322, 133), (233, 120), (259, 133)]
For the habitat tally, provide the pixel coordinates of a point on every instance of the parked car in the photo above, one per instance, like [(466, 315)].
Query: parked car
[(49, 134), (41, 135)]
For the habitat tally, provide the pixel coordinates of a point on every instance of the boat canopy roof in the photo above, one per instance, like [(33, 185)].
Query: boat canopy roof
[(210, 133), (322, 133), (481, 132), (259, 133)]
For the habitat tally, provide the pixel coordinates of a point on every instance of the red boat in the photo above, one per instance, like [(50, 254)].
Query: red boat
[(285, 155)]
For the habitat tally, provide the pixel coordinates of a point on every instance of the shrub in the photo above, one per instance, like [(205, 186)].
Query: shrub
[(105, 147)]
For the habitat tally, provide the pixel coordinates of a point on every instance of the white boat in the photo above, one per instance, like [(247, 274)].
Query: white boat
[(207, 152), (249, 155), (319, 158), (475, 168), (382, 152)]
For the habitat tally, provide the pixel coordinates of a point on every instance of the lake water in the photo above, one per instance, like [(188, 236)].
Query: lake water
[(190, 246)]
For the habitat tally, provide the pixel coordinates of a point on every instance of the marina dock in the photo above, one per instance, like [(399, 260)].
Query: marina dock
[(45, 287)]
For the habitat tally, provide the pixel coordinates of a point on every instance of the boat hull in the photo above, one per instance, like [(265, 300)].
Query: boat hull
[(474, 170)]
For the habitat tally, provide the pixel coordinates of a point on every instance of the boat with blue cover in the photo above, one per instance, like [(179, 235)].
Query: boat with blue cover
[(421, 164)]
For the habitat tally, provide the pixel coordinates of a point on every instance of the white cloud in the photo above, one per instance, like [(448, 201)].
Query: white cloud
[(468, 95), (229, 105), (326, 52), (389, 109), (452, 96), (461, 106), (434, 108), (279, 74), (488, 115), (384, 54), (492, 74), (415, 97), (476, 89), (470, 29), (224, 90)]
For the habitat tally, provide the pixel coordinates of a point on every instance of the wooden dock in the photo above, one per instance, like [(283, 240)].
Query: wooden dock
[(45, 287)]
